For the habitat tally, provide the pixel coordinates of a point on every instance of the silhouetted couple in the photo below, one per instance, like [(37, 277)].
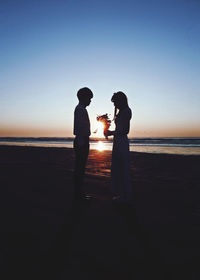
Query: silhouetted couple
[(120, 168)]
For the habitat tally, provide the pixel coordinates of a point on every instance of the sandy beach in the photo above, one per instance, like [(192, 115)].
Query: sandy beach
[(45, 236)]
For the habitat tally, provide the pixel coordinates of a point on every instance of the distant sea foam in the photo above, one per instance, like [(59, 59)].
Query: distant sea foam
[(185, 146)]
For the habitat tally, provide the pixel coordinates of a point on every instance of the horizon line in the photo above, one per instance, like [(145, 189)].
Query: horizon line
[(99, 138)]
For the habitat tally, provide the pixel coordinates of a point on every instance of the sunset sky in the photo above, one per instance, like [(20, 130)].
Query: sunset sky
[(148, 49)]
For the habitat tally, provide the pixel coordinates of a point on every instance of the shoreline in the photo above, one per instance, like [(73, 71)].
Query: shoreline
[(92, 150)]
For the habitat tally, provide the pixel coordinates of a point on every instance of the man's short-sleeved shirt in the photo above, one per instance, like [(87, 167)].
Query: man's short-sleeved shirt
[(81, 122)]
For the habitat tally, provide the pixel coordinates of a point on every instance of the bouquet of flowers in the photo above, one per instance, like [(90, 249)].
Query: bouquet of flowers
[(106, 122)]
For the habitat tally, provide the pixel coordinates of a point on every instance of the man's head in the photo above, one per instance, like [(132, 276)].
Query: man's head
[(84, 96)]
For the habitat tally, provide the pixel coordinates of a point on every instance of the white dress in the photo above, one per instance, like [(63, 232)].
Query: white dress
[(120, 168)]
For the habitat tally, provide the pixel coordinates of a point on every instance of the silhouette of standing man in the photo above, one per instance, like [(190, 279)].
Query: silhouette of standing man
[(81, 141)]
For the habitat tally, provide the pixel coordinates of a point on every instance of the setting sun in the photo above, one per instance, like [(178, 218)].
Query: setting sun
[(99, 129), (100, 146)]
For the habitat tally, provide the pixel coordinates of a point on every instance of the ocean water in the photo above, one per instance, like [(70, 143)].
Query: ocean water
[(184, 146)]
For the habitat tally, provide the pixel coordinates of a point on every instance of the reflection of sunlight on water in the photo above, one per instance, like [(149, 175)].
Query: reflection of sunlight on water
[(107, 146), (100, 146)]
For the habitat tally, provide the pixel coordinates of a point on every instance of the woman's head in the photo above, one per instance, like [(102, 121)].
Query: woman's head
[(120, 100)]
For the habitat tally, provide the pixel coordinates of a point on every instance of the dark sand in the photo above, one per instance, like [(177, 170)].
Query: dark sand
[(44, 236)]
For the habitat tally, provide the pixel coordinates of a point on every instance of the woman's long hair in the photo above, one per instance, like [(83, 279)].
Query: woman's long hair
[(121, 98)]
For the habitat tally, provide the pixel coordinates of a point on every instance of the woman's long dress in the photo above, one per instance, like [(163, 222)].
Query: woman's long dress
[(120, 168)]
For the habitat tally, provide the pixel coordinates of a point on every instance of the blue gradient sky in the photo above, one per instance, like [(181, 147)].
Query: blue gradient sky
[(148, 49)]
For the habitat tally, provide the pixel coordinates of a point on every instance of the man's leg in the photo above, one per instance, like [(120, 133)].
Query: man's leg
[(81, 155)]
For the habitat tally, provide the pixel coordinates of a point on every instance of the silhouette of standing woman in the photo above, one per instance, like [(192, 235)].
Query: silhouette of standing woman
[(120, 169)]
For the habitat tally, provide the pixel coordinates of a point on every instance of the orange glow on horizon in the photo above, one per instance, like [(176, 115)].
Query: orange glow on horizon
[(168, 132), (68, 132), (35, 132)]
